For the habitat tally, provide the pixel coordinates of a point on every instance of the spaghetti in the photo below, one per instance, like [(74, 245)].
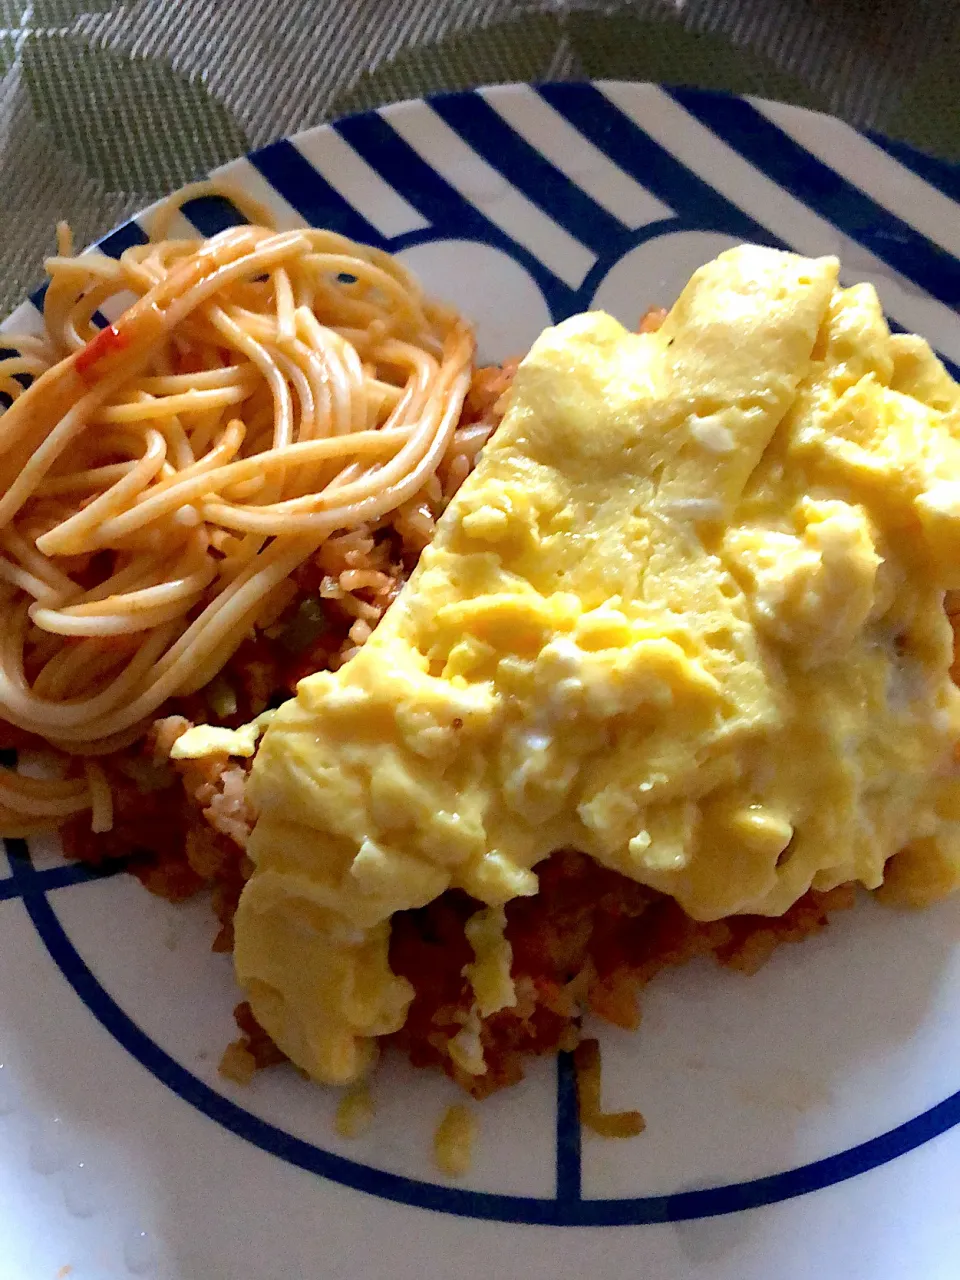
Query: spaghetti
[(162, 477)]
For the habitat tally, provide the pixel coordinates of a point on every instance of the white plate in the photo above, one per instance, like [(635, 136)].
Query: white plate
[(800, 1122)]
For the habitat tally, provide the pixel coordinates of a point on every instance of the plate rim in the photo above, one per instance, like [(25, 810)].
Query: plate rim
[(716, 1200)]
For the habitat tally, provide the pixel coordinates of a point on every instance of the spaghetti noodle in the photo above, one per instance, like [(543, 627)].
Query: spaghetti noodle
[(162, 477)]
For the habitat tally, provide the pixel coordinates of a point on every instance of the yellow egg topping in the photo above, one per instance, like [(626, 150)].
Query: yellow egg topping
[(686, 616)]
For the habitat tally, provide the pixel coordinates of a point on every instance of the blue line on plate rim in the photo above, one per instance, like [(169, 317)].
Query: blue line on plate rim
[(529, 170), (625, 143), (942, 175), (60, 877), (211, 214), (450, 214), (305, 189), (569, 1170), (637, 1211), (811, 181)]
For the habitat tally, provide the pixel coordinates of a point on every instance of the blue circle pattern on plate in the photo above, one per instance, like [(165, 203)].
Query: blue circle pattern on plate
[(706, 162)]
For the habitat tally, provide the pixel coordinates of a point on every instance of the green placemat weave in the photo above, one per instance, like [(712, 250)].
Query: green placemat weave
[(106, 104)]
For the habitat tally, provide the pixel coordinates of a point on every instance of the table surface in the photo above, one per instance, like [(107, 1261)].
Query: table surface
[(107, 104)]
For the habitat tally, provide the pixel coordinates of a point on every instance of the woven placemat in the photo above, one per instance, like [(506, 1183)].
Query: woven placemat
[(105, 105)]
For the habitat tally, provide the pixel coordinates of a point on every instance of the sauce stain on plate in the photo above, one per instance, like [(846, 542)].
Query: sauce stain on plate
[(793, 1091)]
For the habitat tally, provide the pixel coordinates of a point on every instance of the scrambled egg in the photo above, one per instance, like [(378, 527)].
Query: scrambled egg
[(687, 616), (211, 740)]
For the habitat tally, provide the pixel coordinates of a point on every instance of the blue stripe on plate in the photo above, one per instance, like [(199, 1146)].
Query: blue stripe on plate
[(819, 187), (678, 1207), (490, 136), (25, 380), (212, 214), (397, 162), (569, 1173), (939, 173), (113, 245), (695, 202), (61, 877), (38, 295), (317, 202), (9, 888), (123, 238), (441, 204)]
